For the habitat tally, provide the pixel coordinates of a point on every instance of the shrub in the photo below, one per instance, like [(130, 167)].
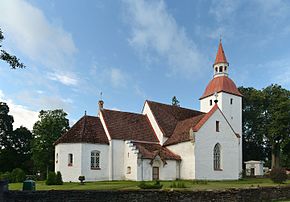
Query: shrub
[(278, 175), (58, 178), (6, 176), (51, 179), (17, 175), (178, 184), (155, 185), (199, 182)]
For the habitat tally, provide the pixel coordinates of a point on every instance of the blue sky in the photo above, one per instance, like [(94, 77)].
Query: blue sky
[(135, 50)]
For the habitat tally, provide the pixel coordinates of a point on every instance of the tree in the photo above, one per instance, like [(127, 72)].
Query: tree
[(52, 124), (255, 146), (6, 125), (12, 60), (175, 102), (266, 124), (277, 120)]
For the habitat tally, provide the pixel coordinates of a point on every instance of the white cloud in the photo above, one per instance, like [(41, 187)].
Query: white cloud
[(28, 28), (154, 30), (223, 9), (66, 79), (117, 77), (21, 114)]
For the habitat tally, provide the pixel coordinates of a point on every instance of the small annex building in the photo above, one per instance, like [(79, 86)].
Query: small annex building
[(163, 142)]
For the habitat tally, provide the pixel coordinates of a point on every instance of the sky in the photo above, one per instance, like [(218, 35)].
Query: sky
[(133, 51)]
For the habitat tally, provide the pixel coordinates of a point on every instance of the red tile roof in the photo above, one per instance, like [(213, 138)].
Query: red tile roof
[(88, 129), (220, 56), (128, 126), (181, 132), (151, 150), (168, 116), (221, 84)]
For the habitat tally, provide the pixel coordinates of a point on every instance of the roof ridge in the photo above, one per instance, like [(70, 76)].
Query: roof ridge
[(172, 105), (113, 110)]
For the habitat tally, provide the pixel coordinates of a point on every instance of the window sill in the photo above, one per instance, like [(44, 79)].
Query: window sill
[(70, 165), (95, 168), (218, 169)]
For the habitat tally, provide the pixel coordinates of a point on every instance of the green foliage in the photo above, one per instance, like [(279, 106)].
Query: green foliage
[(17, 175), (266, 125), (278, 175), (58, 178), (177, 184), (200, 182), (51, 179), (51, 125), (147, 185), (6, 176), (12, 60)]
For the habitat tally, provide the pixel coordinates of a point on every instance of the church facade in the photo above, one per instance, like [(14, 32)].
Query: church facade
[(164, 142)]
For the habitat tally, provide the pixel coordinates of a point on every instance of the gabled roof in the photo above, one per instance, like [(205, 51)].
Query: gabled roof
[(220, 56), (128, 126), (181, 132), (168, 116), (221, 84), (151, 150), (88, 129)]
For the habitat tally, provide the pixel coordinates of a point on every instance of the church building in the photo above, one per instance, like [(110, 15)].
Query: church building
[(164, 142)]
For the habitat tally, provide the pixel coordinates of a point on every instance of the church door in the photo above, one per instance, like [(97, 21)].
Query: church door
[(155, 173), (252, 171)]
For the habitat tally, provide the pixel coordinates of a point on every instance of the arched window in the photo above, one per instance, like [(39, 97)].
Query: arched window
[(217, 157), (95, 159), (216, 69), (225, 68), (221, 69)]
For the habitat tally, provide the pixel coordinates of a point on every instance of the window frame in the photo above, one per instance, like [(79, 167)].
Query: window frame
[(70, 159), (217, 126), (95, 160), (217, 157)]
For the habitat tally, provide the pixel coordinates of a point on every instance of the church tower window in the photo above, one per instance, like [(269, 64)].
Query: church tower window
[(231, 101), (217, 126), (217, 157), (221, 69), (95, 159), (210, 103)]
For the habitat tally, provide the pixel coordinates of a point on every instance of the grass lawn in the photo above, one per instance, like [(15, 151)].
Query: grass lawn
[(132, 185)]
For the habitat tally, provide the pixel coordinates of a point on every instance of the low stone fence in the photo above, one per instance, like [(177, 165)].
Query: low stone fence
[(232, 195)]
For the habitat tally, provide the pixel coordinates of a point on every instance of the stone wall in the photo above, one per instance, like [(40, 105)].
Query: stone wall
[(248, 195)]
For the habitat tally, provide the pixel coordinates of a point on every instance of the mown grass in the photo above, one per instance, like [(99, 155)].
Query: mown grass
[(167, 185)]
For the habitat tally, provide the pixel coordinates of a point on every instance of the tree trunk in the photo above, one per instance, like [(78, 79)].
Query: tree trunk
[(275, 155)]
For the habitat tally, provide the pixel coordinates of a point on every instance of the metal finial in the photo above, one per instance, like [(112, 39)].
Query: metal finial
[(220, 38), (101, 96), (85, 112)]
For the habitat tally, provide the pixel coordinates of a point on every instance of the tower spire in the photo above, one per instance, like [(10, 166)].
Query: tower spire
[(221, 64)]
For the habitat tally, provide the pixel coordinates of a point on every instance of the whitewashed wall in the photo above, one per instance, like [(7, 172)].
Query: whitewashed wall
[(206, 139), (117, 159), (187, 164), (157, 130), (69, 173), (233, 113), (130, 160), (103, 172)]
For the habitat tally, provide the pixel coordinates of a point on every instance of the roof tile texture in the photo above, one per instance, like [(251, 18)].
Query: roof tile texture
[(128, 126), (221, 84), (168, 116), (88, 129), (150, 151)]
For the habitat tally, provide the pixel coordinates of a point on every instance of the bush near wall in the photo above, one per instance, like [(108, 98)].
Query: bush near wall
[(278, 175)]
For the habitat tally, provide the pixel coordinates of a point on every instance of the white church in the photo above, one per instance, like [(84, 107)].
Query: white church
[(163, 142)]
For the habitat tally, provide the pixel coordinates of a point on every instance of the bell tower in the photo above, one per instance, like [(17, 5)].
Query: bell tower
[(223, 91)]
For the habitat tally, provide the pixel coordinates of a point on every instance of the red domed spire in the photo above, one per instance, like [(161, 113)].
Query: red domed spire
[(220, 56)]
